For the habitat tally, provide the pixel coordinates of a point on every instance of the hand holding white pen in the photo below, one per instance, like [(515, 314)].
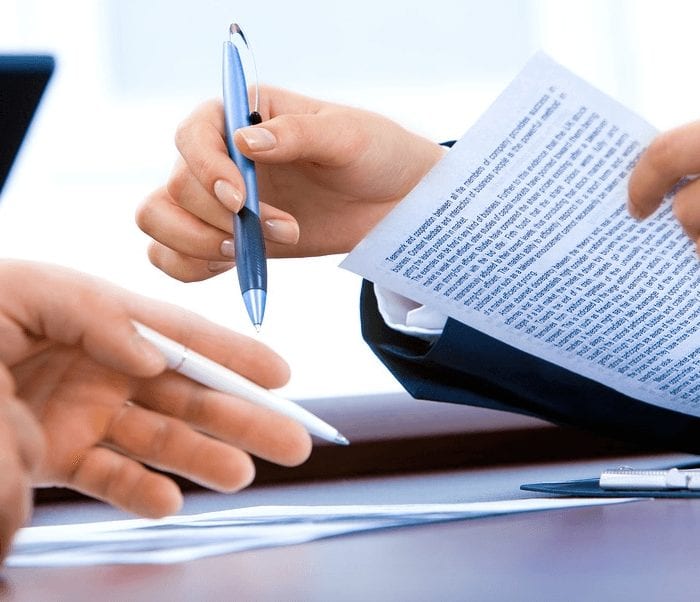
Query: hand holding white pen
[(218, 377)]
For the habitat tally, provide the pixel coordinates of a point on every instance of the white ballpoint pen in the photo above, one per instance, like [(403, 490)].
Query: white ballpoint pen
[(207, 372)]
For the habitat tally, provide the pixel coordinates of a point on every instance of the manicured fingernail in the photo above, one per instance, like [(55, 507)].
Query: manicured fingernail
[(227, 249), (258, 139), (220, 266), (282, 231), (228, 195)]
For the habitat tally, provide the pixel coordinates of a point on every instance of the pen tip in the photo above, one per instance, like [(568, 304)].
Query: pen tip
[(341, 440), (254, 299)]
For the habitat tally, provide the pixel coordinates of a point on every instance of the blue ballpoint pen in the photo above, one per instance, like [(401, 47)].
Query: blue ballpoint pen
[(247, 230)]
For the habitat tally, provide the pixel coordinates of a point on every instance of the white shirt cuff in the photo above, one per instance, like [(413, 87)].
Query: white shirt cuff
[(409, 317)]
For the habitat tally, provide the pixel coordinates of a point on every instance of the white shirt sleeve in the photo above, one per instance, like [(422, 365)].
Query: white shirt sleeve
[(407, 316)]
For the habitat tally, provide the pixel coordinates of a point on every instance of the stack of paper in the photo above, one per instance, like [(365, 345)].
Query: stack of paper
[(181, 538)]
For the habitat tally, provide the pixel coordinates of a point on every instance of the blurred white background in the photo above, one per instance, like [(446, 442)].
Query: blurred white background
[(130, 70)]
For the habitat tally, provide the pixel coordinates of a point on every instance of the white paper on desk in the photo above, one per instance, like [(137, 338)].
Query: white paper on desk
[(188, 537), (521, 232)]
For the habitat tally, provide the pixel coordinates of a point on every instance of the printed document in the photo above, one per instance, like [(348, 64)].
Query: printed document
[(521, 231), (188, 537)]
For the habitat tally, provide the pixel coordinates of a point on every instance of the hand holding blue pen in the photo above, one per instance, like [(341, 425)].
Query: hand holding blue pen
[(247, 230)]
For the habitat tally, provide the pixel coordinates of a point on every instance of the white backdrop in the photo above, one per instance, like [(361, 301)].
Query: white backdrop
[(130, 70)]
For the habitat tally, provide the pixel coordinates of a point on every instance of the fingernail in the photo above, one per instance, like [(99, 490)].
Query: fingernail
[(282, 231), (227, 249), (633, 211), (151, 356), (228, 195), (258, 139), (220, 266)]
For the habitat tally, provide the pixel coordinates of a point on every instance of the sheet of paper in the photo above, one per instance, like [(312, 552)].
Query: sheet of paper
[(521, 231), (187, 537)]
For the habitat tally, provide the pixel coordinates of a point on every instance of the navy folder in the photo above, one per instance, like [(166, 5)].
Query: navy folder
[(23, 79)]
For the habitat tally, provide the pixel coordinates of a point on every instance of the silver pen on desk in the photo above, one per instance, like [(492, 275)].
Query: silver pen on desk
[(626, 478), (207, 372), (248, 240)]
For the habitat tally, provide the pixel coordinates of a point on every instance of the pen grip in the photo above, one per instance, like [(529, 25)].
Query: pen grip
[(250, 250)]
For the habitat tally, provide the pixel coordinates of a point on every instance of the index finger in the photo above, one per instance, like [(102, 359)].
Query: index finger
[(278, 101), (669, 157), (200, 141), (247, 356)]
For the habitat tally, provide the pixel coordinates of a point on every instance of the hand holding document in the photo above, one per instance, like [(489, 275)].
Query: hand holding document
[(521, 231)]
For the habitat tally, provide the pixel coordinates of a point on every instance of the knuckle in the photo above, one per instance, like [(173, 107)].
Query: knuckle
[(154, 254), (355, 132), (189, 272), (353, 137), (195, 410), (183, 133), (200, 164), (293, 128), (162, 440), (177, 182), (92, 471), (144, 214), (248, 426), (185, 276), (159, 440), (210, 107), (158, 255), (172, 264), (203, 168)]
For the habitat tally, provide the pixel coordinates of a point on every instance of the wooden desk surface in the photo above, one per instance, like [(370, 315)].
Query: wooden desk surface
[(645, 550)]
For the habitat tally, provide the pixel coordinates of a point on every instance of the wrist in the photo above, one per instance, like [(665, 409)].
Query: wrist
[(423, 155)]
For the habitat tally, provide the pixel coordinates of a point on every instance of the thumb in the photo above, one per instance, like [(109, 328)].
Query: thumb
[(333, 138)]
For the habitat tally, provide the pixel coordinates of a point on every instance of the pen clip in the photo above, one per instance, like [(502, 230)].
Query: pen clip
[(236, 33)]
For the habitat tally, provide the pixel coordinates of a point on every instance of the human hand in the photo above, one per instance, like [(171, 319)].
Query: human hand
[(110, 409), (326, 175), (21, 452), (670, 157)]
